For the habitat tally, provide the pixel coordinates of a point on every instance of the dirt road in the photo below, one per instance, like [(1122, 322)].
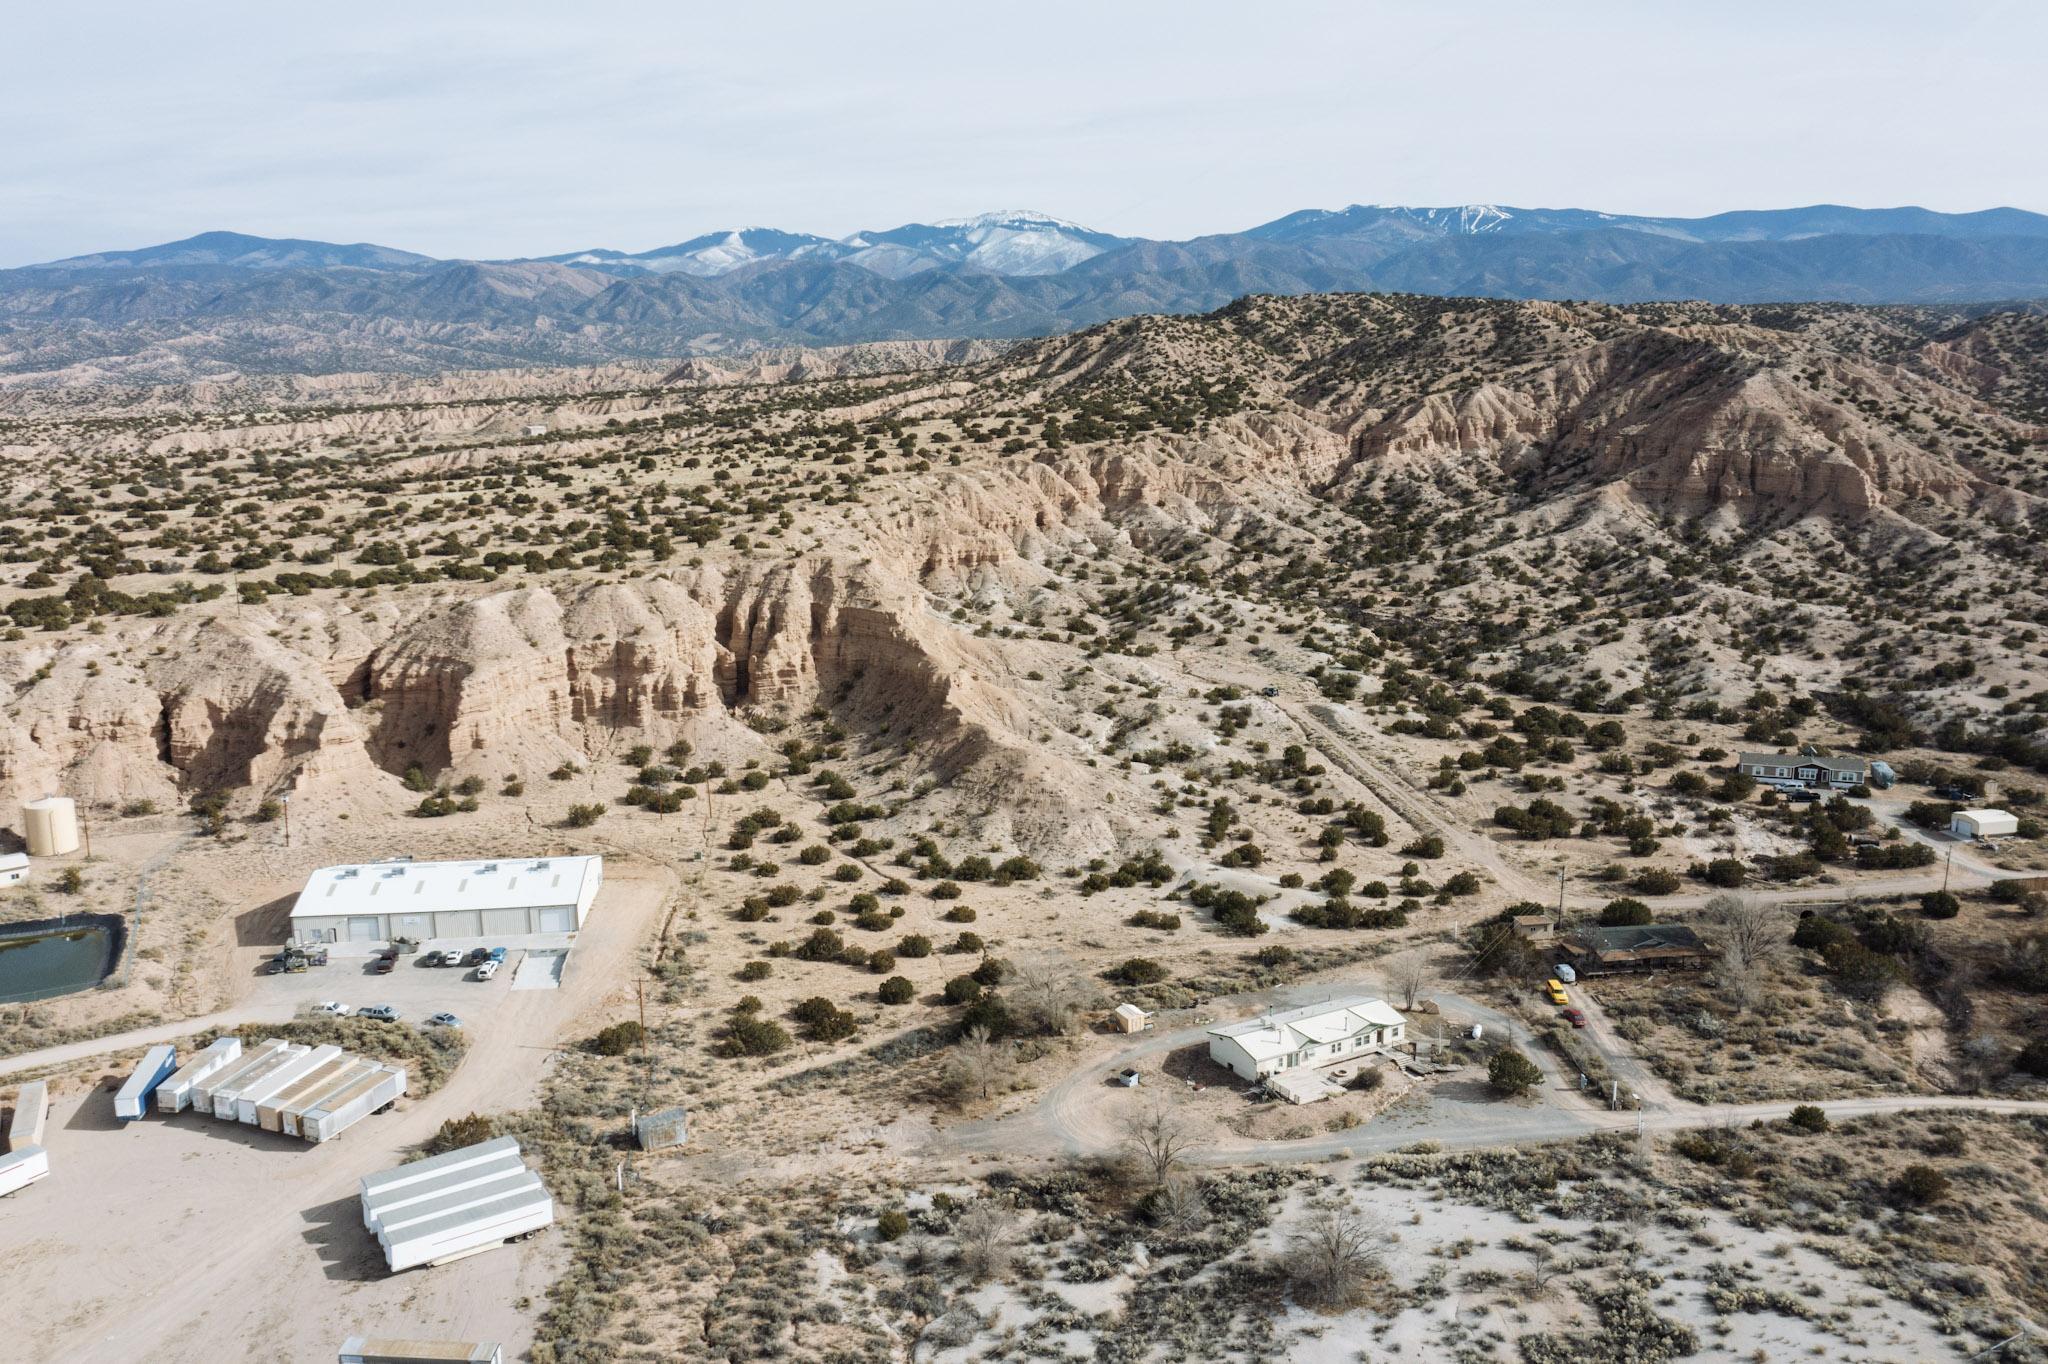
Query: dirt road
[(189, 1239), (1073, 1118)]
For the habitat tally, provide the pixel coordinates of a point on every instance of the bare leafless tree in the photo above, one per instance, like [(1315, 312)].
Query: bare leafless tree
[(977, 1067), (986, 1238), (1752, 934), (1409, 975), (1159, 1140), (1333, 1256), (1049, 995)]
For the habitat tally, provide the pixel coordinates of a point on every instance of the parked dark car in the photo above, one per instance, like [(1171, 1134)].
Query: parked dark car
[(1574, 1016)]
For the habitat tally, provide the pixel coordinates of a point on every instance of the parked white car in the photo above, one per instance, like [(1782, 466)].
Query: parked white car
[(328, 1006), (485, 970)]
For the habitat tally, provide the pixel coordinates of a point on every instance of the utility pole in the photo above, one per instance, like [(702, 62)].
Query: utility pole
[(1560, 897), (1946, 867), (286, 801)]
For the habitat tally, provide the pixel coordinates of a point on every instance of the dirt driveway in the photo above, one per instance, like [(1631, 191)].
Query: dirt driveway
[(189, 1239)]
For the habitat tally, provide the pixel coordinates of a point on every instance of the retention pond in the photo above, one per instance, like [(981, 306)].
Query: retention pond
[(53, 957)]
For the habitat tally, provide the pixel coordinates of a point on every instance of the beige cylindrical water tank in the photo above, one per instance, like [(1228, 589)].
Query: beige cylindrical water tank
[(51, 826)]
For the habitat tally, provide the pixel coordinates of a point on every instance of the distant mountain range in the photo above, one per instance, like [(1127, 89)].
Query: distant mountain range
[(224, 302)]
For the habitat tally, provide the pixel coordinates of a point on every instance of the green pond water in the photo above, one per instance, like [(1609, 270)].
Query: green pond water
[(53, 962)]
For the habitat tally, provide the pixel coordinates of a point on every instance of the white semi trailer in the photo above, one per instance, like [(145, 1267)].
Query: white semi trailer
[(175, 1094), (311, 1085), (26, 1161), (225, 1094), (202, 1092), (291, 1116), (343, 1110), (281, 1079), (131, 1101), (453, 1205)]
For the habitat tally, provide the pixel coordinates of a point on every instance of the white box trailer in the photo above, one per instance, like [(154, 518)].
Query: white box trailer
[(281, 1079), (341, 1111), (31, 1116), (156, 1065), (175, 1094), (224, 1095), (477, 1227), (434, 1197), (377, 1188), (202, 1092), (311, 1085), (22, 1167), (383, 1350), (291, 1116)]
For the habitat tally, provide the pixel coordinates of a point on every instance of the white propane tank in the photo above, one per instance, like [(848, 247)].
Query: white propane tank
[(51, 826), (1478, 1031)]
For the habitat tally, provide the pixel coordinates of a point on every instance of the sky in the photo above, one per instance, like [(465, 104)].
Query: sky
[(508, 128)]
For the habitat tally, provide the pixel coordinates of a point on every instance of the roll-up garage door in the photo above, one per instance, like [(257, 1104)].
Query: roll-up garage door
[(458, 923), (559, 919), (499, 922), (366, 929)]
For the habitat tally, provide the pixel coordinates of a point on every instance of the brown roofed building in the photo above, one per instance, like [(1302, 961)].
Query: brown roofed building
[(1648, 947)]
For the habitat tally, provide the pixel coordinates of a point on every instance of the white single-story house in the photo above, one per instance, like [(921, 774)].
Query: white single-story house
[(1129, 1017), (380, 901), (1983, 824), (13, 868), (1804, 769), (1314, 1035)]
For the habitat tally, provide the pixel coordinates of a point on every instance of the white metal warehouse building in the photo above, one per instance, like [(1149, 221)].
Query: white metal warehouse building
[(503, 897)]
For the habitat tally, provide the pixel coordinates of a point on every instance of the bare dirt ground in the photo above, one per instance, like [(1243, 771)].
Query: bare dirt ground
[(191, 1239)]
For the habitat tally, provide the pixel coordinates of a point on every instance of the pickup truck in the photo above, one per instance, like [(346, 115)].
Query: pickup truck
[(385, 962)]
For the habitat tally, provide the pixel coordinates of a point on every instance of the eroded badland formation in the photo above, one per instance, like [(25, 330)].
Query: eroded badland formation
[(1203, 663)]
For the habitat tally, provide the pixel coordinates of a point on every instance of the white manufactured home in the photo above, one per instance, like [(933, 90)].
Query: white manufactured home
[(1311, 1036), (502, 897)]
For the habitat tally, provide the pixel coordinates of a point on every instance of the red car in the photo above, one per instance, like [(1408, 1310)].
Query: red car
[(1574, 1016)]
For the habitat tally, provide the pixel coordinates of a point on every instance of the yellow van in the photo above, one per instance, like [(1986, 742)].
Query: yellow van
[(1557, 994)]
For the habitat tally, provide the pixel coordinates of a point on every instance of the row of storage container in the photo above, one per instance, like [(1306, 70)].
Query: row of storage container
[(26, 1160), (312, 1092), (455, 1204)]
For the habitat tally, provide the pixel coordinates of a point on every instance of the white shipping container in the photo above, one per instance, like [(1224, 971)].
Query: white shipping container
[(438, 1201), (202, 1092), (174, 1094), (347, 1109), (281, 1079), (132, 1100), (224, 1095)]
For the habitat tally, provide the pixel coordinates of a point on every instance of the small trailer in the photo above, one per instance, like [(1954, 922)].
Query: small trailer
[(225, 1095), (343, 1110), (156, 1065), (175, 1094), (281, 1079), (202, 1092)]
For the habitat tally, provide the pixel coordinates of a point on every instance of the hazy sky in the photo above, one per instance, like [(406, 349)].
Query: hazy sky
[(508, 128)]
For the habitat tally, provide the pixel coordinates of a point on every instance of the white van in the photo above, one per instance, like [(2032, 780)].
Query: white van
[(485, 970)]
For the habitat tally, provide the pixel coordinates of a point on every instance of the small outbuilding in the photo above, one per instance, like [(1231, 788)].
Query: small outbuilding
[(1130, 1018), (13, 868), (501, 897), (1983, 824)]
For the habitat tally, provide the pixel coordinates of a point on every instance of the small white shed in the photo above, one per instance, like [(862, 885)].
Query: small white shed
[(13, 868), (1983, 824), (1131, 1018)]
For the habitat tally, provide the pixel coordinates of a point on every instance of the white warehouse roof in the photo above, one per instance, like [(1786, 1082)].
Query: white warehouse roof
[(1271, 1036), (402, 887)]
